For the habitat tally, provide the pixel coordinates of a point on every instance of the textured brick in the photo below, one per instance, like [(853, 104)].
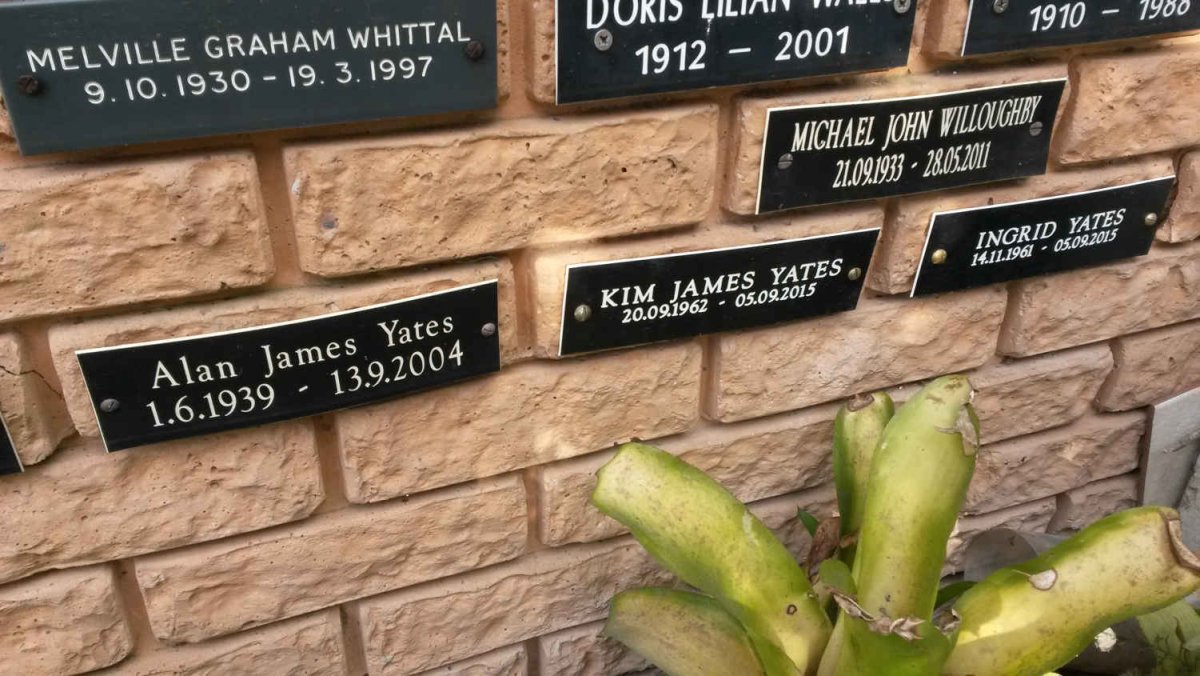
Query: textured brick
[(585, 651), (5, 122), (550, 267), (884, 342), (1076, 308), (1131, 104), (1040, 465), (527, 414), (903, 239), (507, 661), (384, 203), (439, 623), (62, 623), (741, 190), (1087, 504), (1031, 517), (1030, 395), (754, 460), (1183, 223), (85, 506), (218, 588), (33, 411), (1152, 367), (306, 646), (260, 310), (77, 238)]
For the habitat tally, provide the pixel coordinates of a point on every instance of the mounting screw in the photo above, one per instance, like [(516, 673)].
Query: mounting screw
[(939, 257), (855, 274), (583, 313), (999, 6), (603, 39), (29, 85), (488, 329), (902, 6), (1035, 129), (474, 50), (1151, 219), (109, 405), (785, 160)]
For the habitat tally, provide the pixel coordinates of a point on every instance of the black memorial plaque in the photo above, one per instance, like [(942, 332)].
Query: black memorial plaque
[(1030, 25), (10, 462), (82, 74), (172, 389), (985, 245), (839, 152), (645, 300), (611, 48)]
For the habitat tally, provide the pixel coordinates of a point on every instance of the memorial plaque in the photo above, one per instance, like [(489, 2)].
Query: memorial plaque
[(10, 462), (91, 73), (839, 152), (172, 389), (645, 300), (611, 48), (985, 245), (1002, 26)]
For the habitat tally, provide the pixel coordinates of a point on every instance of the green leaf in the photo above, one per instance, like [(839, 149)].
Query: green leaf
[(951, 592), (836, 574), (810, 522)]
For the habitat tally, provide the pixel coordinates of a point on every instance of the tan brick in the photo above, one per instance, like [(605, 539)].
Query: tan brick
[(1084, 306), (903, 239), (62, 623), (1030, 395), (85, 506), (779, 514), (388, 202), (884, 342), (749, 124), (539, 25), (1030, 517), (5, 122), (1087, 504), (525, 415), (33, 411), (508, 661), (1183, 223), (309, 645), (754, 460), (550, 267), (1152, 367), (944, 27), (435, 624), (1040, 465), (83, 237), (585, 651), (261, 310), (1130, 104), (221, 587)]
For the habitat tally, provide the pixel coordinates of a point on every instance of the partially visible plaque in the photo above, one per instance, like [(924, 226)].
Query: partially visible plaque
[(172, 389), (645, 300), (10, 462), (611, 48), (839, 152), (985, 245), (995, 26), (82, 74)]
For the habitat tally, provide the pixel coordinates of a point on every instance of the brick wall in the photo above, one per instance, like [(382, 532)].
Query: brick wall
[(449, 532)]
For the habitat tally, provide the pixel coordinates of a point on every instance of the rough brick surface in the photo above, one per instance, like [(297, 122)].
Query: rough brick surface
[(1029, 395), (884, 342), (260, 310), (550, 267), (1087, 504), (214, 589), (903, 239), (99, 236), (1031, 517), (1040, 465), (1131, 104), (1152, 367), (436, 624), (33, 411), (84, 506), (62, 623), (377, 204), (309, 645), (741, 190), (1076, 308), (585, 651), (754, 460), (508, 661), (1183, 223), (527, 414)]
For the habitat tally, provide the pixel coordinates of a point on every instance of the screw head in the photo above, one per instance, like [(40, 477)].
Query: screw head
[(902, 6), (785, 160), (29, 85), (109, 405), (999, 6), (603, 39), (488, 329), (1151, 219), (855, 274), (474, 50), (583, 313), (939, 257), (1035, 129)]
